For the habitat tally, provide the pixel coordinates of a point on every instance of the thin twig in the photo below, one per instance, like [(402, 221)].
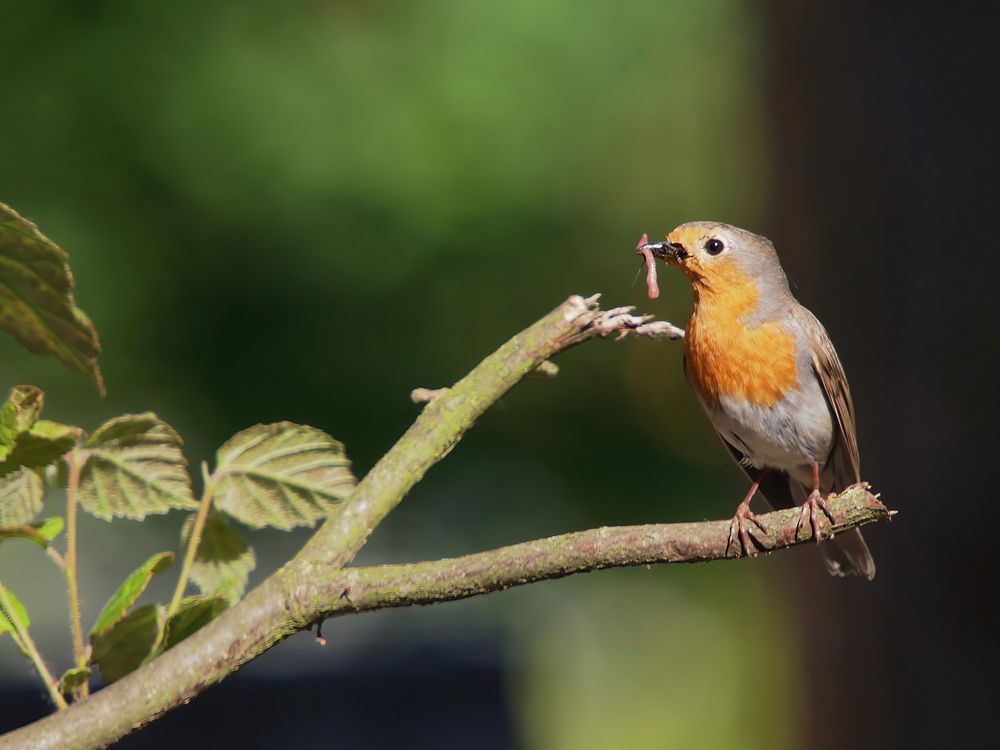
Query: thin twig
[(56, 558), (426, 395), (193, 541), (79, 650), (27, 645), (546, 370)]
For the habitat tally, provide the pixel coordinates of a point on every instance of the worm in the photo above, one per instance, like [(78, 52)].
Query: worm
[(652, 288)]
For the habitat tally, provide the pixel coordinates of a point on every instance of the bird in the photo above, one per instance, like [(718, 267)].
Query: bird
[(770, 381)]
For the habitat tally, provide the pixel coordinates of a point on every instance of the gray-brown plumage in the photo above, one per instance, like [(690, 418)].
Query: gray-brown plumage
[(770, 381)]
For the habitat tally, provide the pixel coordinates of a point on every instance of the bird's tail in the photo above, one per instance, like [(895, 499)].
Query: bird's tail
[(847, 555)]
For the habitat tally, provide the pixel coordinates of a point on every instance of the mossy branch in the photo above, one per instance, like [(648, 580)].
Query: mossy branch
[(365, 589), (313, 585)]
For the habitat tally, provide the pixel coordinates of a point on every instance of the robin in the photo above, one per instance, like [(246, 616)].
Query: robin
[(767, 374)]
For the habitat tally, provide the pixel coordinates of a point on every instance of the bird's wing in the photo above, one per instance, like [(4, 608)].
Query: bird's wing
[(844, 459)]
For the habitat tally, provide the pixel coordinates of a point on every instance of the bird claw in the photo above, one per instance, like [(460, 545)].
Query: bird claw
[(739, 534), (811, 512)]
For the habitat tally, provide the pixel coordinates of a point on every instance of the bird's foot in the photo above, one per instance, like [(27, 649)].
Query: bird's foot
[(810, 514), (739, 531)]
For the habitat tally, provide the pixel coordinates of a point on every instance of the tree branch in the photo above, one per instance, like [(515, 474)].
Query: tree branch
[(312, 585), (381, 587), (445, 418)]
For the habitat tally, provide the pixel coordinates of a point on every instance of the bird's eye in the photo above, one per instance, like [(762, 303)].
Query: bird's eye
[(714, 246)]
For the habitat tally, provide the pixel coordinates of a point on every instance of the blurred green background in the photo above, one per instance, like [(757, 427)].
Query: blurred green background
[(303, 210)]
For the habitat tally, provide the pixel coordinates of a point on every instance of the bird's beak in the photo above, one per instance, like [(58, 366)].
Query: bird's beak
[(672, 252)]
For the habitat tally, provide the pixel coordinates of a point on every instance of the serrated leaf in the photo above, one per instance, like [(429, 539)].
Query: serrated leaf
[(55, 432), (18, 414), (13, 615), (40, 533), (128, 644), (281, 475), (73, 678), (223, 561), (27, 441), (21, 494), (22, 490), (36, 298), (193, 613), (129, 592), (43, 444), (134, 466)]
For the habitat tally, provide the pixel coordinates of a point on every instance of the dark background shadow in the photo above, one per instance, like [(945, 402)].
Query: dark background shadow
[(883, 143)]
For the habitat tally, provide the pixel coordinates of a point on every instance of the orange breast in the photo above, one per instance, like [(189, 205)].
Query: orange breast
[(726, 358)]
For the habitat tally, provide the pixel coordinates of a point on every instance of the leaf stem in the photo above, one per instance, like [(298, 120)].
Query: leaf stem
[(79, 651), (27, 645), (193, 541), (56, 558)]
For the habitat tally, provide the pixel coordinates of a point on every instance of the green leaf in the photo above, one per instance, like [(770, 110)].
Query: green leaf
[(13, 615), (281, 475), (50, 528), (128, 644), (223, 561), (43, 444), (134, 467), (18, 414), (27, 444), (36, 298), (24, 439), (129, 592), (21, 494), (73, 678), (193, 613), (40, 533)]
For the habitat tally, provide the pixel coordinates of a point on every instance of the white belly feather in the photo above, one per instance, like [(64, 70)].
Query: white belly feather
[(790, 435)]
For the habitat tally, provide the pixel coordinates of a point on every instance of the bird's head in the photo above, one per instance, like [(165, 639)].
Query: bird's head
[(720, 258)]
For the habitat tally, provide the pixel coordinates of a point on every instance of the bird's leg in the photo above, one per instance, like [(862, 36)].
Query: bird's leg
[(812, 506), (738, 533)]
